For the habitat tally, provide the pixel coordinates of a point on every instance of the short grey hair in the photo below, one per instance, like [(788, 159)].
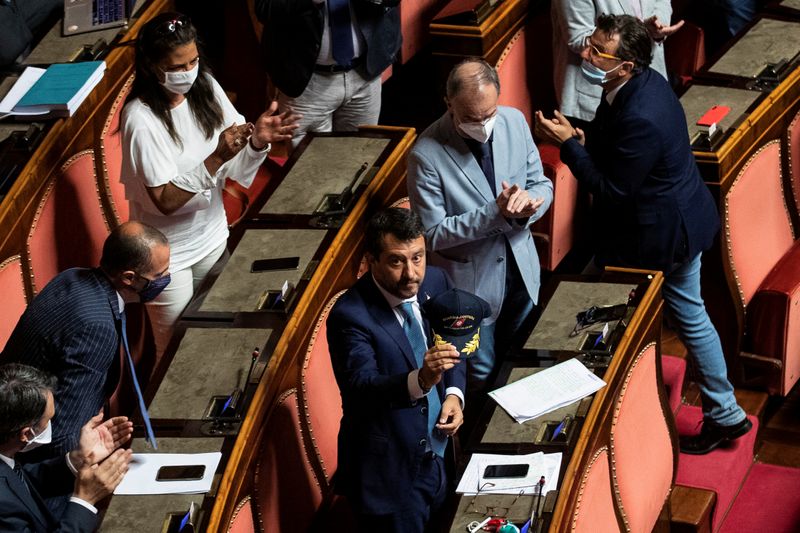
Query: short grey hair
[(486, 73)]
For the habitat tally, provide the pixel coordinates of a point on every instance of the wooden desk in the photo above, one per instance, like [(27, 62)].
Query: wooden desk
[(595, 413), (735, 69), (65, 138)]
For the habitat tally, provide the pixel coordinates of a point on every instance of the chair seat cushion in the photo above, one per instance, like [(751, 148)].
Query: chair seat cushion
[(773, 318)]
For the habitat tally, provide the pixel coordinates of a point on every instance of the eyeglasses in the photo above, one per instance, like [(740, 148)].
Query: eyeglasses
[(593, 50), (491, 510), (170, 26)]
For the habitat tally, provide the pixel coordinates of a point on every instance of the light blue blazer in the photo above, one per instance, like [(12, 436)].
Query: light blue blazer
[(572, 21), (466, 234)]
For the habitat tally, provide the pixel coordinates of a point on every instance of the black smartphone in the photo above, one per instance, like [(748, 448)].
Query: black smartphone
[(495, 471), (276, 263), (181, 473)]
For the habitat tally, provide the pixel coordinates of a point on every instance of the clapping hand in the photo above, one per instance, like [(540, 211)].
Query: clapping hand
[(515, 202), (658, 32), (99, 439), (272, 128)]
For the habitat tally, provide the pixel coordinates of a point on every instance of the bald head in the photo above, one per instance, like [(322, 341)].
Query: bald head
[(470, 76), (131, 247)]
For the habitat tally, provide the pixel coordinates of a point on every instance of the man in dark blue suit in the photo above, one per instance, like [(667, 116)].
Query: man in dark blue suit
[(72, 329), (651, 207), (87, 474), (401, 399)]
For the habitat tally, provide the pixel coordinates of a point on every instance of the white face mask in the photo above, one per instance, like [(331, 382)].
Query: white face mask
[(45, 437), (480, 131), (180, 82)]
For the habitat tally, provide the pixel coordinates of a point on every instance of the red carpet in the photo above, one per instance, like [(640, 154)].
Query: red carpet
[(722, 470), (769, 501), (673, 369)]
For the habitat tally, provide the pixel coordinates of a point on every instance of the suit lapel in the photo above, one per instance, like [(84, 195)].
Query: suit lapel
[(458, 151), (22, 493), (501, 145)]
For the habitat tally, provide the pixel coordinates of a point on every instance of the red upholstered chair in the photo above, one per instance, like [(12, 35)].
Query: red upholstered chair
[(512, 69), (12, 287), (685, 53), (243, 520), (287, 490), (111, 157), (554, 233), (322, 403), (69, 226), (642, 481), (763, 257), (791, 151), (402, 203), (595, 508), (415, 17)]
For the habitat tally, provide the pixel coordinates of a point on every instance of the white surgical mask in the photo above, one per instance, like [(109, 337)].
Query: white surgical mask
[(595, 75), (45, 437), (480, 131), (180, 82)]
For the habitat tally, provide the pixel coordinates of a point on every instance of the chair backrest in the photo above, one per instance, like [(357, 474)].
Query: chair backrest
[(792, 153), (594, 510), (758, 231), (685, 52), (111, 157), (642, 481), (415, 17), (12, 287), (322, 402), (69, 226), (402, 203), (243, 520), (512, 69), (287, 491)]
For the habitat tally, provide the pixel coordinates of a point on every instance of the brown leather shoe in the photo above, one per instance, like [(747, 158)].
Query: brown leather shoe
[(712, 435)]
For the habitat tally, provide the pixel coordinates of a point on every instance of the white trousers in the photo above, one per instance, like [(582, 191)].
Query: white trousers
[(166, 309)]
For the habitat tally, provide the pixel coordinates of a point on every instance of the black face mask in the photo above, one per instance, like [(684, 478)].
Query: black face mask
[(154, 287)]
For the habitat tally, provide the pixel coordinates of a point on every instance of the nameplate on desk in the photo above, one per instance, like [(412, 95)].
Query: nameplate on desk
[(326, 167), (237, 289)]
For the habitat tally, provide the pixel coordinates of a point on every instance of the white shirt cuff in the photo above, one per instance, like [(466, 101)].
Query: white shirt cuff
[(455, 391), (258, 153), (84, 503)]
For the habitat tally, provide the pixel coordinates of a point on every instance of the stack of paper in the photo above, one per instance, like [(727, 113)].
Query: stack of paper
[(56, 91), (547, 390), (540, 464)]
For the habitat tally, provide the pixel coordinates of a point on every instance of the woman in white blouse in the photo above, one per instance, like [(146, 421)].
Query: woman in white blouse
[(181, 138)]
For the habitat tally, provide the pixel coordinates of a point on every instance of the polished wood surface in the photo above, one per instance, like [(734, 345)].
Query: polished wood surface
[(67, 137), (486, 40)]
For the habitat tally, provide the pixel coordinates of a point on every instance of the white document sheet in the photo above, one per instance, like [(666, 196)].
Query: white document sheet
[(540, 464), (141, 476), (547, 390), (26, 80)]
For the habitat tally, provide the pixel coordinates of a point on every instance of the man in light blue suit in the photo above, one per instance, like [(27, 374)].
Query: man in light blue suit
[(476, 180)]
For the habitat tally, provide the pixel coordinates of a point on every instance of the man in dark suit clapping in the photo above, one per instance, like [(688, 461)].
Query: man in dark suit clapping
[(88, 473), (651, 207)]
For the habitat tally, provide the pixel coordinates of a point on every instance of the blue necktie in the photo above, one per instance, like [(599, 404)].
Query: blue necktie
[(151, 437), (341, 31), (413, 332), (487, 164)]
